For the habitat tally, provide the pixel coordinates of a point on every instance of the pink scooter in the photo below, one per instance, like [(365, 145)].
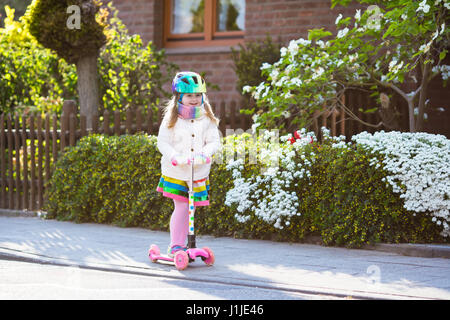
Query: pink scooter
[(182, 258)]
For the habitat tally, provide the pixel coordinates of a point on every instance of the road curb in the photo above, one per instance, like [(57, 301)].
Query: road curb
[(22, 213), (413, 250)]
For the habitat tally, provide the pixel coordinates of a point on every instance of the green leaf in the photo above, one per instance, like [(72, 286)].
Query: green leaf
[(316, 34)]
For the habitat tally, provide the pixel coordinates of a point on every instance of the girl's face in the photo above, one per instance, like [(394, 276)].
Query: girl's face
[(192, 99)]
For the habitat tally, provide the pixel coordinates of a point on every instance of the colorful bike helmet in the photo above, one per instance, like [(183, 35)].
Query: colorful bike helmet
[(188, 82)]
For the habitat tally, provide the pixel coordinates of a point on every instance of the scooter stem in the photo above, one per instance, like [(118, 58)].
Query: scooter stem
[(191, 233)]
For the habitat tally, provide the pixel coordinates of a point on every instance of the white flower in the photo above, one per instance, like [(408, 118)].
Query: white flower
[(338, 18), (423, 6), (342, 33), (425, 47), (246, 89), (444, 70), (304, 42), (394, 67), (286, 113), (353, 57), (265, 65), (358, 14), (296, 82), (318, 72), (274, 74)]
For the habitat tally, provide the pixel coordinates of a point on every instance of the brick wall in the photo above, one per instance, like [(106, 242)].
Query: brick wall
[(143, 17), (290, 19)]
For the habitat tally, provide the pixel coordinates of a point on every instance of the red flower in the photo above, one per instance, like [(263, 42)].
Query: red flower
[(297, 136)]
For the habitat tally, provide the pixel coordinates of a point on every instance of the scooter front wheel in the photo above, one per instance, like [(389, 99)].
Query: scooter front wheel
[(153, 251), (181, 260)]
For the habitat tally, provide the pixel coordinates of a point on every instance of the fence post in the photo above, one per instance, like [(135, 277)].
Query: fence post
[(40, 185), (32, 165), (223, 120), (150, 125), (69, 107), (2, 161), (138, 119), (26, 197), (128, 120), (117, 122), (18, 200), (47, 151), (10, 162), (333, 122)]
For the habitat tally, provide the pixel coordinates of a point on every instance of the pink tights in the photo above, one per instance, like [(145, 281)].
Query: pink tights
[(179, 223)]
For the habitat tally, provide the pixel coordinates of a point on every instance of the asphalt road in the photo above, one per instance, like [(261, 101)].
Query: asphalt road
[(24, 281), (80, 254)]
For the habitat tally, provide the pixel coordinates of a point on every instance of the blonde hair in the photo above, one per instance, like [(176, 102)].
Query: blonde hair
[(170, 112)]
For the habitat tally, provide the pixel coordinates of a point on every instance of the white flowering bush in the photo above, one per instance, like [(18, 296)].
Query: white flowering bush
[(349, 193), (270, 193), (418, 170)]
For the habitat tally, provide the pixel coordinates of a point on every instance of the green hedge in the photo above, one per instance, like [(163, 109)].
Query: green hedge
[(109, 180), (343, 199)]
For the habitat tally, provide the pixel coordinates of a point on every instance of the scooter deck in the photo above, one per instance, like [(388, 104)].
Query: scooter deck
[(205, 254), (160, 257)]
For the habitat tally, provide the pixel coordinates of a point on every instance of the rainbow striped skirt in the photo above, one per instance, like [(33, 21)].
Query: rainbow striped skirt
[(178, 190)]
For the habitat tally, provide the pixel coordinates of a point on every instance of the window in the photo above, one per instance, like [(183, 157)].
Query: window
[(190, 23)]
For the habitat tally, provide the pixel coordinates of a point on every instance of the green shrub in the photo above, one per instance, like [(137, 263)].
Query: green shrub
[(109, 180), (31, 75)]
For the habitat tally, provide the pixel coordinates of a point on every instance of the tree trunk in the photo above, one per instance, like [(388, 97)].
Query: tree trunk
[(88, 91), (422, 97), (412, 126)]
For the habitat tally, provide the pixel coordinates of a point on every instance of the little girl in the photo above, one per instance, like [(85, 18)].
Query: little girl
[(188, 132)]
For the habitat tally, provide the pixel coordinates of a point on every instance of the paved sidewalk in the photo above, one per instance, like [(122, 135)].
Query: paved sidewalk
[(293, 267)]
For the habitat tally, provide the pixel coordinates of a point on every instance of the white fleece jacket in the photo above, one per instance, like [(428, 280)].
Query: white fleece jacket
[(185, 138)]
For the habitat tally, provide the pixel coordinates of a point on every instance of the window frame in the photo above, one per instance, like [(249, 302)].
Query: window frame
[(210, 37)]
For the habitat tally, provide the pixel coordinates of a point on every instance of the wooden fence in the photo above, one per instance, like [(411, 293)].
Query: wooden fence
[(29, 145)]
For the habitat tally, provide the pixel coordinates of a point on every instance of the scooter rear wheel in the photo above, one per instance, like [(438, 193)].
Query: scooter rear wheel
[(211, 259)]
